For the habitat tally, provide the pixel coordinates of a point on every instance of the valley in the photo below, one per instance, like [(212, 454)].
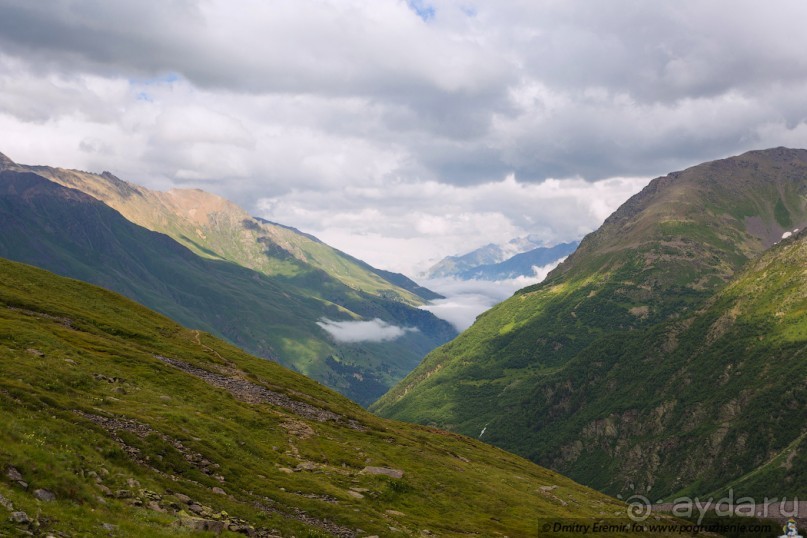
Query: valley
[(403, 269), (648, 363)]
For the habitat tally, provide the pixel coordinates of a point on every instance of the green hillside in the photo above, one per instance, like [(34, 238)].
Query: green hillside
[(570, 372), (73, 234), (691, 406), (117, 421)]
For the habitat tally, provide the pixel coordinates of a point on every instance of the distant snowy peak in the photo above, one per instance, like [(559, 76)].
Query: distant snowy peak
[(514, 259), (518, 246), (486, 255)]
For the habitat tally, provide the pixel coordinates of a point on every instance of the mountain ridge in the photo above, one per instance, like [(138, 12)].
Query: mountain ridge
[(657, 260), (490, 254), (518, 265), (191, 215)]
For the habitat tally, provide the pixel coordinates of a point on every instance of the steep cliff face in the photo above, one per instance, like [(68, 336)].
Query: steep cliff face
[(552, 372)]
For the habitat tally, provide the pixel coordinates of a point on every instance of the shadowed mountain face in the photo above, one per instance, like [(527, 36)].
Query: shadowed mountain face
[(74, 234), (116, 420), (599, 371)]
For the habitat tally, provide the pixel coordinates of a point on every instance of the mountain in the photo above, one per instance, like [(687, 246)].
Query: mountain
[(523, 264), (606, 371), (216, 228), (117, 421), (486, 255), (500, 262), (273, 316)]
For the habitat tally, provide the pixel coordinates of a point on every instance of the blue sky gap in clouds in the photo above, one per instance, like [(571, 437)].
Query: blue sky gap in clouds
[(422, 9)]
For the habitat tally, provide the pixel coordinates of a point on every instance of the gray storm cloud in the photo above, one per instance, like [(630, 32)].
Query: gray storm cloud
[(291, 108), (474, 91)]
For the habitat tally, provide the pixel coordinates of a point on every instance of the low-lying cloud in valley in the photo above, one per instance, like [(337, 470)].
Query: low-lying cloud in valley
[(374, 330), (466, 299)]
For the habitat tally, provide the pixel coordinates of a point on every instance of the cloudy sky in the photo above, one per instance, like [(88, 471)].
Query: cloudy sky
[(402, 131)]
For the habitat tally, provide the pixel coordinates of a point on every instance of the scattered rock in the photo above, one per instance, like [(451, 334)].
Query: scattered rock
[(132, 483), (123, 494), (395, 513), (298, 429), (5, 503), (253, 393), (102, 377), (116, 424), (218, 491), (355, 494), (285, 470), (306, 466), (547, 489), (393, 473), (151, 495), (181, 497), (44, 495), (242, 529), (200, 524), (196, 508), (169, 503), (558, 500), (13, 474), (109, 527), (34, 352), (105, 490), (154, 505), (70, 362), (20, 517)]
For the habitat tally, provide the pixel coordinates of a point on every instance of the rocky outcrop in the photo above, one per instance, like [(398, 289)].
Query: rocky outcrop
[(250, 392)]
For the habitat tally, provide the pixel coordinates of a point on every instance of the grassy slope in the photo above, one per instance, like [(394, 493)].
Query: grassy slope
[(659, 258), (78, 360), (80, 237)]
